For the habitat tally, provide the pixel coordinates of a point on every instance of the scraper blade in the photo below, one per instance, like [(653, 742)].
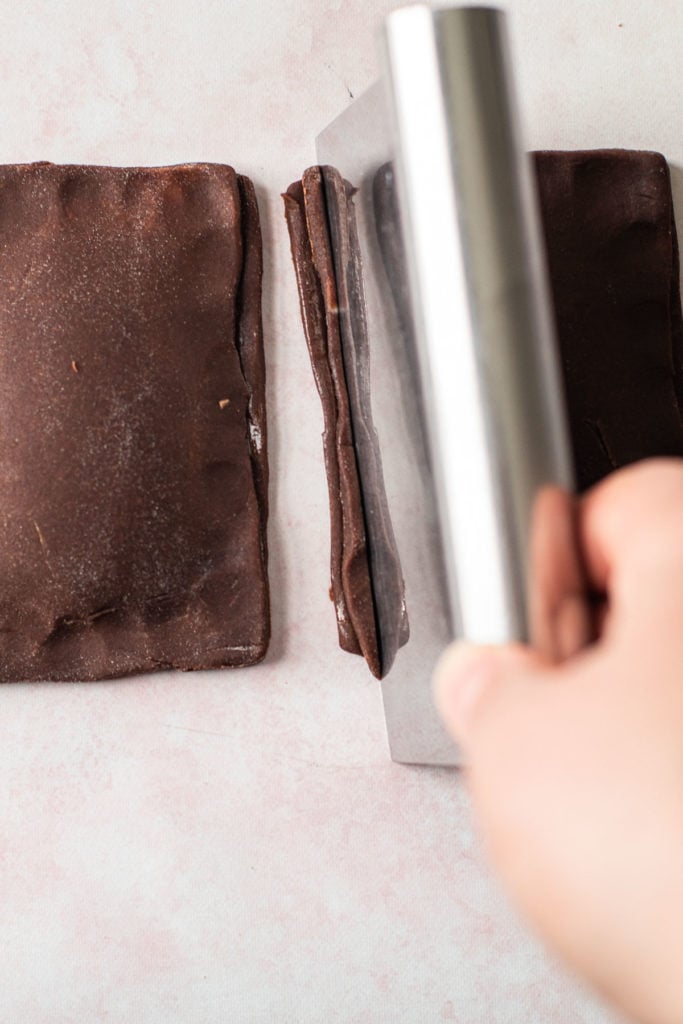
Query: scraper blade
[(468, 435)]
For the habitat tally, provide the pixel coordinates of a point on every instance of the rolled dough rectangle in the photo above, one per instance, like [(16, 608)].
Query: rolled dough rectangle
[(133, 469), (613, 263)]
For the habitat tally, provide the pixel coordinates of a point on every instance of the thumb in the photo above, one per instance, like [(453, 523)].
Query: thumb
[(471, 682)]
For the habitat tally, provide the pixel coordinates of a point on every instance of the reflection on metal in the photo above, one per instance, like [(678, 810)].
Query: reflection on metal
[(385, 571)]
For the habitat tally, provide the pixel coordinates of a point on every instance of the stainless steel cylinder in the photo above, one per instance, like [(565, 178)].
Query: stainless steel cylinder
[(487, 353)]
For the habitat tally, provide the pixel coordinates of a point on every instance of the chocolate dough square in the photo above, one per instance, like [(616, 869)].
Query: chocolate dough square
[(133, 471), (613, 261)]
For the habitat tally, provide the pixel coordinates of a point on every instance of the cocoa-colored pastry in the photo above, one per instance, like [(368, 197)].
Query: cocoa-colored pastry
[(613, 262), (350, 576), (339, 356), (133, 472)]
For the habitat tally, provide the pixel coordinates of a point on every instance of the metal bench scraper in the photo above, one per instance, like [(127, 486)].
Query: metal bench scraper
[(466, 393)]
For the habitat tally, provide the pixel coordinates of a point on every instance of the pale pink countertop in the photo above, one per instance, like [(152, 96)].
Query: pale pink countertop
[(237, 846)]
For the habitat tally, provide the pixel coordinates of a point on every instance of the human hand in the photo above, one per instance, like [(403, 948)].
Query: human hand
[(576, 770)]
